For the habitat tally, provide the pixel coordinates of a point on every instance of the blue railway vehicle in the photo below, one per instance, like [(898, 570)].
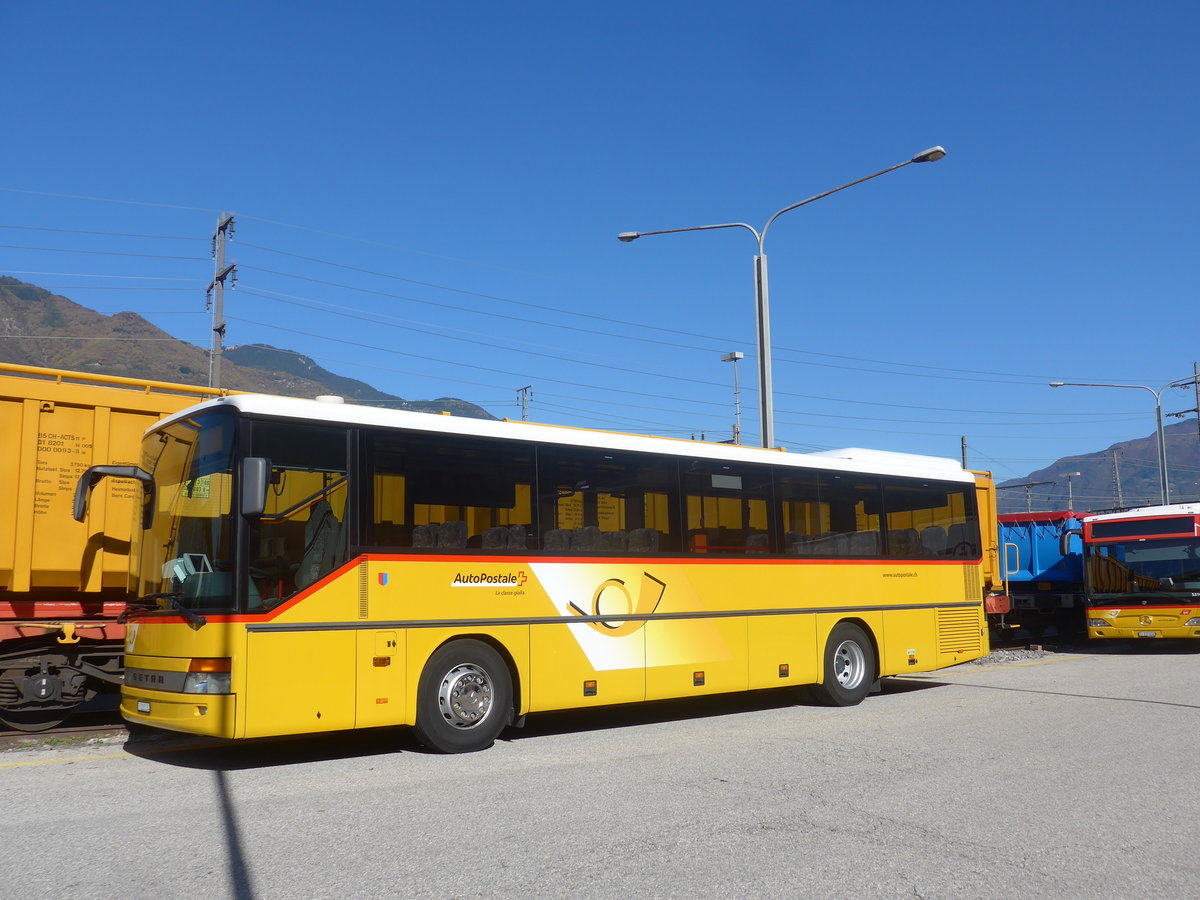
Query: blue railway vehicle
[(1044, 583)]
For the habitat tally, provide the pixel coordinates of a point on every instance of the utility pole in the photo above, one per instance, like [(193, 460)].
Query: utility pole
[(1028, 485), (1195, 382), (525, 394), (737, 397), (221, 271), (1117, 477), (964, 451)]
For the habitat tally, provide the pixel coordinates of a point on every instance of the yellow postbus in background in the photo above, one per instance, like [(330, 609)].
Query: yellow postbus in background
[(1142, 573), (308, 566)]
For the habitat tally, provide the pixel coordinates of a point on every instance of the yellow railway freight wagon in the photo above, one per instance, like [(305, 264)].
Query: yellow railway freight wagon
[(63, 585), (308, 566)]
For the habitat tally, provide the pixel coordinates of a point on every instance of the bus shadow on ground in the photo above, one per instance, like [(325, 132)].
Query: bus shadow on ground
[(194, 752), (1156, 647), (656, 712)]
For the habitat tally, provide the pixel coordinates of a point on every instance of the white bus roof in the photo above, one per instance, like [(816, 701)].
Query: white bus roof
[(1146, 512), (877, 462)]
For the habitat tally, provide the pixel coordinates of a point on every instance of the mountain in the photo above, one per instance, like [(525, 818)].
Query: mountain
[(1131, 479), (38, 328)]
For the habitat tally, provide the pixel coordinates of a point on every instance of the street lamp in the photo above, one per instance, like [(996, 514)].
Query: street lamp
[(1070, 492), (762, 308), (1164, 489), (737, 397)]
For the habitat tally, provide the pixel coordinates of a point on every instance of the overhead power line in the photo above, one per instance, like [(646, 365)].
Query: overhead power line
[(162, 237), (95, 275), (102, 252), (386, 319), (106, 200), (631, 324)]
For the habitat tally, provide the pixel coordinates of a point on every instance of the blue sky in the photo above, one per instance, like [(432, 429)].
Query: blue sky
[(428, 199)]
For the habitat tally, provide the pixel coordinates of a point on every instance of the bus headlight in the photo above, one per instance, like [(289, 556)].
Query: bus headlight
[(1192, 623), (1097, 623), (206, 683), (207, 676)]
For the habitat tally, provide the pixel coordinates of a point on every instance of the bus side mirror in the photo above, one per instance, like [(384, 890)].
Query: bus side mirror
[(256, 477), (1064, 540), (88, 480)]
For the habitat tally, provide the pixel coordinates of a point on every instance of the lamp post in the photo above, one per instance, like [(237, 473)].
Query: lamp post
[(1164, 490), (1070, 490), (737, 397), (762, 307)]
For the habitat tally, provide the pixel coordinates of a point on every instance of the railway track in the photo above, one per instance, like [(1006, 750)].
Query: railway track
[(80, 728)]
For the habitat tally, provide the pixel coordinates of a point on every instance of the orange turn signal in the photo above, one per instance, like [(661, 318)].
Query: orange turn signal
[(210, 665)]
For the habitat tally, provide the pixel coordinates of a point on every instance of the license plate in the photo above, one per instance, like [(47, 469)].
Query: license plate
[(1140, 634), (143, 706)]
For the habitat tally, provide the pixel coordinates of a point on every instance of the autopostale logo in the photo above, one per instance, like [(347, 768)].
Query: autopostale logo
[(489, 579)]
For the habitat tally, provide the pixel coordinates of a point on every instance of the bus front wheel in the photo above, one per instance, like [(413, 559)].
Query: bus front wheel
[(849, 667), (464, 698)]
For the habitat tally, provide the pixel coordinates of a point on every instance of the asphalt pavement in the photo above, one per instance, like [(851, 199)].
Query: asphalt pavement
[(1064, 774)]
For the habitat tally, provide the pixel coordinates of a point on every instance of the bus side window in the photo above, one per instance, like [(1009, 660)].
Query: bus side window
[(449, 494), (727, 508), (596, 502), (930, 520), (855, 507)]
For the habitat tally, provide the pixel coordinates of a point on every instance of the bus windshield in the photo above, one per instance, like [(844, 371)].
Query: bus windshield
[(1162, 566), (187, 554)]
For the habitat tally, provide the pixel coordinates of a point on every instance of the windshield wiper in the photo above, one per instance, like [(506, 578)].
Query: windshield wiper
[(143, 605), (193, 617), (148, 606)]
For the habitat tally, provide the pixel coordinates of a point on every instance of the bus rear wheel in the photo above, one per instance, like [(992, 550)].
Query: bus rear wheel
[(464, 698), (849, 667)]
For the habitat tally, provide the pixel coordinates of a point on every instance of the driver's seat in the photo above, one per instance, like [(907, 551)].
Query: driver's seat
[(322, 545)]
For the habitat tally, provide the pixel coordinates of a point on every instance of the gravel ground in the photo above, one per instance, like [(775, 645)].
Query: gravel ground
[(1008, 655)]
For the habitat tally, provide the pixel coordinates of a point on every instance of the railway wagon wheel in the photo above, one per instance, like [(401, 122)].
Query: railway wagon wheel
[(34, 720), (464, 698), (849, 667), (43, 696)]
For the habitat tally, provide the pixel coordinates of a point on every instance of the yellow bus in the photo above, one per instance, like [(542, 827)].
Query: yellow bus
[(1142, 572), (309, 566)]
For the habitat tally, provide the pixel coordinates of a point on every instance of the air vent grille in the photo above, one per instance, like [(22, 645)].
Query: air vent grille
[(959, 630)]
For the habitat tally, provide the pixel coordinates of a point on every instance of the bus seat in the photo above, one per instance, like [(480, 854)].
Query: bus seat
[(614, 541), (322, 537), (586, 538), (518, 536), (495, 538), (558, 539), (758, 542), (934, 540), (904, 542), (424, 536), (644, 540), (452, 535), (864, 543), (959, 538)]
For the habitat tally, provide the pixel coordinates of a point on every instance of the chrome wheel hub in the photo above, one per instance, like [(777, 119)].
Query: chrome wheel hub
[(465, 696), (849, 665)]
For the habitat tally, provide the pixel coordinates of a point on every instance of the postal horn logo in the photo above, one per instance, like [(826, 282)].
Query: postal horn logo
[(615, 612)]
